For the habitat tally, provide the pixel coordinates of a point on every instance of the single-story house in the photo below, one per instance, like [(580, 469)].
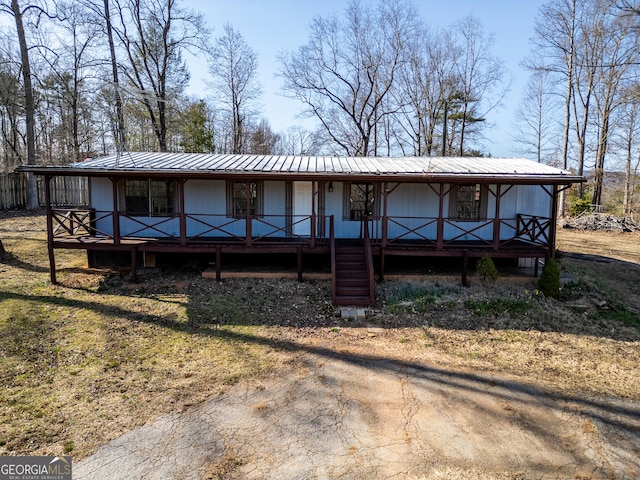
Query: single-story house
[(356, 211)]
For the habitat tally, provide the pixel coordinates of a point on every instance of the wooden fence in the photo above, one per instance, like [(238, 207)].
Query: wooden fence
[(13, 191), (65, 191)]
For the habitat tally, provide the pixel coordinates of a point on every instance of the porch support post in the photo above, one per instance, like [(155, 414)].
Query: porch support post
[(116, 213), (385, 229), (47, 201), (134, 264), (385, 218), (440, 229), (218, 263), (553, 222), (496, 220), (299, 255), (312, 233), (248, 232), (182, 215), (465, 267)]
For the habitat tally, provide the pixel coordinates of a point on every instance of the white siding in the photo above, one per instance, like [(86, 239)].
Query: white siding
[(274, 220), (414, 205), (533, 200), (205, 203), (102, 202), (333, 206)]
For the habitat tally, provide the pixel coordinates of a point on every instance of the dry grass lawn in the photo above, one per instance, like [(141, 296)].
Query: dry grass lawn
[(87, 360)]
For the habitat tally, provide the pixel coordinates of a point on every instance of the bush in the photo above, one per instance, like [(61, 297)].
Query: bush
[(549, 281), (486, 269), (579, 206)]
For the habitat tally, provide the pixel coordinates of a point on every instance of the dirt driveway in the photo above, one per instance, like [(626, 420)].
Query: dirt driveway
[(354, 414), (362, 407), (470, 383)]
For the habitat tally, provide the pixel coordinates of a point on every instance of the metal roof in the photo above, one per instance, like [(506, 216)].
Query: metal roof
[(410, 168)]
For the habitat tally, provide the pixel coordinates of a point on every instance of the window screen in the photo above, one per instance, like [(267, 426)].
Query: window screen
[(468, 202), (237, 195), (149, 197), (360, 201)]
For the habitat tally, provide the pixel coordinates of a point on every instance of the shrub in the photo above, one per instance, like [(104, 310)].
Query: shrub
[(486, 269), (579, 206), (549, 281)]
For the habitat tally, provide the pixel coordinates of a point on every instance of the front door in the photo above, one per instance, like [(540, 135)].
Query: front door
[(302, 207)]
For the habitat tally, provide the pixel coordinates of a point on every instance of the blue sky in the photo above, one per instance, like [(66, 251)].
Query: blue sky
[(271, 26)]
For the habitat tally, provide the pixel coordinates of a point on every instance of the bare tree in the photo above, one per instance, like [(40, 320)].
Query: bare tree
[(347, 69), (262, 140), (425, 82), (120, 132), (616, 51), (11, 112), (297, 140), (554, 51), (630, 118), (29, 104), (234, 68), (478, 75), (154, 34), (69, 84), (534, 117)]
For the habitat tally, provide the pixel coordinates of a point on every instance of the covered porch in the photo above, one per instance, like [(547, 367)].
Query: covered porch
[(249, 204)]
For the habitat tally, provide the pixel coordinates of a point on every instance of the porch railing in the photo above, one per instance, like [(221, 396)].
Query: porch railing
[(265, 229), (196, 228)]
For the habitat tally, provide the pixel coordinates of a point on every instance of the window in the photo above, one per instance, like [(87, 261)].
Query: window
[(243, 195), (468, 202), (149, 197), (360, 201)]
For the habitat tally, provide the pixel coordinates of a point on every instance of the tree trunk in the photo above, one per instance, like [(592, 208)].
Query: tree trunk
[(120, 136), (567, 103), (626, 201), (32, 187), (581, 131), (598, 177)]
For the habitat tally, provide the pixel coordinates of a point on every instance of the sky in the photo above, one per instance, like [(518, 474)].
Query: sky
[(273, 26)]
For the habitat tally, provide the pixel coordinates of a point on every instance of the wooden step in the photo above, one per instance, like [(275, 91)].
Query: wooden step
[(350, 261), (352, 281), (361, 300), (352, 276)]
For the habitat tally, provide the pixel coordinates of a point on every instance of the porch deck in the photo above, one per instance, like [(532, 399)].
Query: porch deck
[(524, 236)]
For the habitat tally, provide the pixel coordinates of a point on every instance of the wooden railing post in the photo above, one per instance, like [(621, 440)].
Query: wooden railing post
[(52, 258), (182, 215), (116, 213), (496, 220), (440, 228), (369, 259), (385, 219), (332, 250), (248, 219), (312, 233), (553, 219)]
